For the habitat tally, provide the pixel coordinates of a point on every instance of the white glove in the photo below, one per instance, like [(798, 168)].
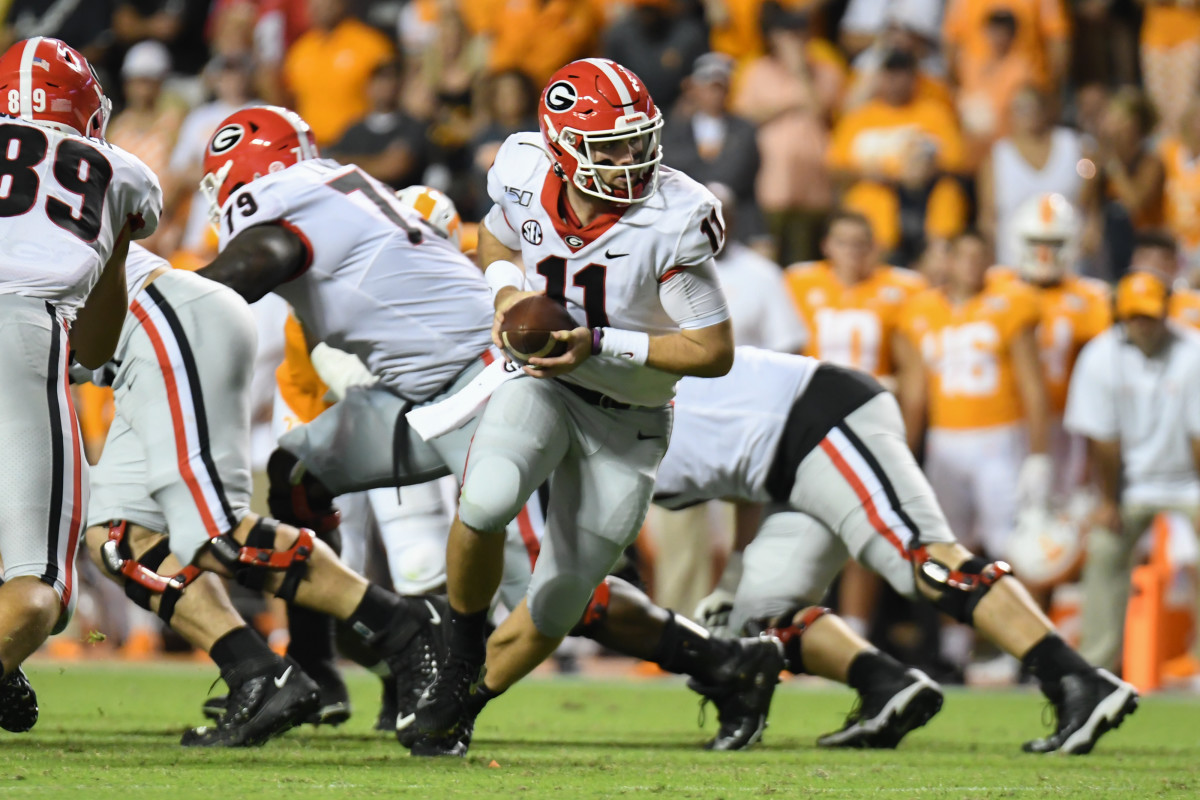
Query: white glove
[(713, 612), (1034, 481), (339, 370)]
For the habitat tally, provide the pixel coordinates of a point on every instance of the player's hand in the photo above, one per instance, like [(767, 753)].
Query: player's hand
[(579, 349), (505, 299), (713, 612)]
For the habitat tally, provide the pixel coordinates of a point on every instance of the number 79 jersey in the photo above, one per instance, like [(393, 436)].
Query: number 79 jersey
[(609, 273), (416, 313), (64, 199)]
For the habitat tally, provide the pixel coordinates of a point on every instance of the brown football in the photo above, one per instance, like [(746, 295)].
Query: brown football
[(527, 327)]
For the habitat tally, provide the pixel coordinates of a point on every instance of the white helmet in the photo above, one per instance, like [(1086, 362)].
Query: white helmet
[(1046, 548), (437, 209), (1046, 228)]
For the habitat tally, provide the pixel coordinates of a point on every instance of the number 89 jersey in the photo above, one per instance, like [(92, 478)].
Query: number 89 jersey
[(610, 272), (63, 200)]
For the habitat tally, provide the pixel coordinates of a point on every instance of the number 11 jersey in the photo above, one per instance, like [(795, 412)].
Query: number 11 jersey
[(64, 199), (609, 272)]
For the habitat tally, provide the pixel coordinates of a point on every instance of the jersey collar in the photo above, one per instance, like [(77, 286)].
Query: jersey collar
[(566, 223)]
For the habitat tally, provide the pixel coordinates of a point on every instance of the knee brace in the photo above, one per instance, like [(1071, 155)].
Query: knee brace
[(297, 498), (142, 579), (250, 563), (555, 606), (957, 591), (596, 611), (789, 627)]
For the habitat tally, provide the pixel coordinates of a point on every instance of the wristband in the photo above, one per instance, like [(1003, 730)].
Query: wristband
[(500, 274), (597, 338), (627, 345)]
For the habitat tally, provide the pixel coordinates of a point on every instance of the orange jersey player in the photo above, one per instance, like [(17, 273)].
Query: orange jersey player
[(1074, 309), (967, 355), (849, 301)]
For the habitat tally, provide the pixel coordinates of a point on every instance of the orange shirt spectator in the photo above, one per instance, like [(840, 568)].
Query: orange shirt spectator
[(538, 37), (1181, 192), (1170, 55), (889, 153), (1042, 34), (328, 68), (988, 85)]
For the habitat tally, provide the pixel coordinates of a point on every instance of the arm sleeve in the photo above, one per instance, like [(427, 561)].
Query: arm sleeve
[(692, 297), (1091, 405)]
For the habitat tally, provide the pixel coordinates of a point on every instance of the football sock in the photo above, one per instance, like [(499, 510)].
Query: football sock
[(871, 668), (480, 698), (311, 636), (686, 648), (240, 654), (2, 675), (375, 612), (1050, 660), (468, 633)]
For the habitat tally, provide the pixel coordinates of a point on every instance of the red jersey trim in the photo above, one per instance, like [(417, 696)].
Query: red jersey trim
[(554, 201)]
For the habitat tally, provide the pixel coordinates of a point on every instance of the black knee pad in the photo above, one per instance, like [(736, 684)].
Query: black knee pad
[(141, 578), (957, 592), (297, 498), (251, 562)]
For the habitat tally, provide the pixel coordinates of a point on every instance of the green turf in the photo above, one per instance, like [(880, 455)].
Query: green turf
[(111, 731)]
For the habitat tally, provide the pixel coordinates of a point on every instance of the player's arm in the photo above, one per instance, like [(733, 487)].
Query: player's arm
[(97, 326), (502, 269), (257, 260), (911, 387)]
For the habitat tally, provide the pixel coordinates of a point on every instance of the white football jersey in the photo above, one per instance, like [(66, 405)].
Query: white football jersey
[(608, 272), (727, 429), (138, 265), (63, 200), (415, 314)]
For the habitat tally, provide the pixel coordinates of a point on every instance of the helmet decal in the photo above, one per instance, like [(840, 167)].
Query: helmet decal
[(561, 96)]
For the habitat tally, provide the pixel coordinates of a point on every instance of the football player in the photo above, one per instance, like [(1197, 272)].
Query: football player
[(1074, 309), (584, 214), (824, 447), (851, 303), (71, 203), (967, 358), (171, 504)]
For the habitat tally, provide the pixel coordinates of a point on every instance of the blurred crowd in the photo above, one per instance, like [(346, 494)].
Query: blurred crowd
[(926, 117)]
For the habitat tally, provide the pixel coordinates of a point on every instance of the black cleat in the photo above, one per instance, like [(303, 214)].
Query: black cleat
[(443, 710), (414, 666), (455, 745), (18, 703), (259, 708), (882, 717), (1087, 705), (744, 699), (333, 707)]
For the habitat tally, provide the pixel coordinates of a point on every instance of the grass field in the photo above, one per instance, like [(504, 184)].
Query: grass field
[(112, 730)]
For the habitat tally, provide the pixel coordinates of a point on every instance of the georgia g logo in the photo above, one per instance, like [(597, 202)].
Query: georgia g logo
[(561, 96), (226, 139)]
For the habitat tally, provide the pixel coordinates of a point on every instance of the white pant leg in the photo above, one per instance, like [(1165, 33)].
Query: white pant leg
[(413, 527)]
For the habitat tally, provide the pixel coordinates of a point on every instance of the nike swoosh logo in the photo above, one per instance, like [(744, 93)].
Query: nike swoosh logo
[(608, 254), (644, 436), (434, 617), (404, 722), (282, 679)]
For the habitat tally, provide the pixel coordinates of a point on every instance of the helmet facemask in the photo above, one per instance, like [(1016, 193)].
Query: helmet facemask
[(1046, 260), (596, 154), (210, 187)]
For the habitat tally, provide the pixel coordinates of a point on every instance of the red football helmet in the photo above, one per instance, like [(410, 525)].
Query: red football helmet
[(594, 114), (251, 143), (49, 83)]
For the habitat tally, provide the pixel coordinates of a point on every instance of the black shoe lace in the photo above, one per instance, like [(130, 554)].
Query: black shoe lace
[(856, 713)]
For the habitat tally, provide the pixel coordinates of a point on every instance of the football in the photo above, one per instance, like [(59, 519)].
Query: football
[(528, 325)]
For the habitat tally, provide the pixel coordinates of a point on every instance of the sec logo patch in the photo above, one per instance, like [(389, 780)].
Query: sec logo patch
[(531, 232)]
